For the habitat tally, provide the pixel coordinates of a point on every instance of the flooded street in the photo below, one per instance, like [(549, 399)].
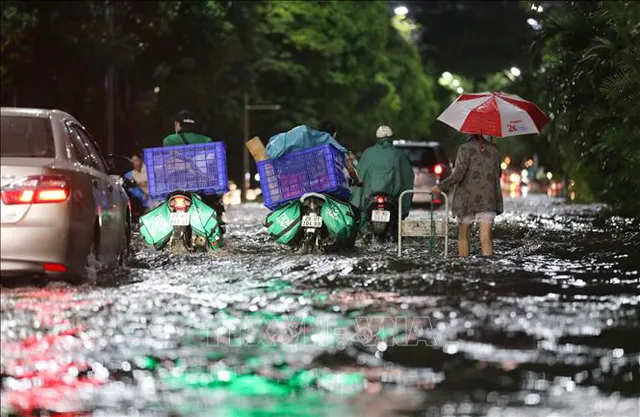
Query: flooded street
[(549, 327)]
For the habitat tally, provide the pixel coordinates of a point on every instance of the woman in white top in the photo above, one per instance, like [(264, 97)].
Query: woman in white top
[(140, 173), (140, 188)]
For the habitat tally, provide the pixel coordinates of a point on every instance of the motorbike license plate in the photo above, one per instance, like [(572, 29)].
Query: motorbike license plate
[(179, 219), (382, 216), (312, 221)]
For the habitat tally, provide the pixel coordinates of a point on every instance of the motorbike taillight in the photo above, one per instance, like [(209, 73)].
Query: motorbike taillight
[(380, 201), (179, 203)]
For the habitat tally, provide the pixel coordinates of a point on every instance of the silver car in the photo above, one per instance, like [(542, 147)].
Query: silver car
[(60, 207), (430, 165)]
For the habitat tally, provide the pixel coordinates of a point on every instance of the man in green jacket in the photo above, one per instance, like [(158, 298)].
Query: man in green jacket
[(383, 168), (186, 126)]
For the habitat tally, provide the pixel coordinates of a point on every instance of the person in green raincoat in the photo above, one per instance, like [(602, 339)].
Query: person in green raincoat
[(383, 168)]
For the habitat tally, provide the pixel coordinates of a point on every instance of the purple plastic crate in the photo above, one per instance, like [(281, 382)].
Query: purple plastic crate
[(200, 167), (320, 169)]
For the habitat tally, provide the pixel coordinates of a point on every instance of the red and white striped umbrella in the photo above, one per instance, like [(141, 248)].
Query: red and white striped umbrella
[(494, 114)]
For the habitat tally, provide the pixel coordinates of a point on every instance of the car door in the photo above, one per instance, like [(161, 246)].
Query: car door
[(118, 199), (101, 189)]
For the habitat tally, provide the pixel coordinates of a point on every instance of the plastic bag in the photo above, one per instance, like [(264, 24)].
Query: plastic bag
[(155, 226), (284, 223), (299, 138), (204, 222), (339, 219)]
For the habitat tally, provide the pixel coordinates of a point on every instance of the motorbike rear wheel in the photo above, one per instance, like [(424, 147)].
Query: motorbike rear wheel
[(310, 244), (180, 240)]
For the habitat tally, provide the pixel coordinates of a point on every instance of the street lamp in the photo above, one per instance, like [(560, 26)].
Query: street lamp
[(245, 161), (515, 71), (401, 11), (533, 23)]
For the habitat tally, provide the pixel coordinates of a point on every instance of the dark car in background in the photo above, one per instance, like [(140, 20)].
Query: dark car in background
[(430, 165)]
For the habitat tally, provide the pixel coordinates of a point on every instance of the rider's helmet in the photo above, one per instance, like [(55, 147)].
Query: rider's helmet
[(329, 127), (186, 121), (384, 132)]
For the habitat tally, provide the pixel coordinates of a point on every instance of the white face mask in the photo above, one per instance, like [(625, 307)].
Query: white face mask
[(486, 137)]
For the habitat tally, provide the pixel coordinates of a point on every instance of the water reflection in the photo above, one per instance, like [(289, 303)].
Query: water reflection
[(549, 326)]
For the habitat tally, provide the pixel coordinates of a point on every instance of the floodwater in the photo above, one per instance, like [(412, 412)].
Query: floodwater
[(549, 327)]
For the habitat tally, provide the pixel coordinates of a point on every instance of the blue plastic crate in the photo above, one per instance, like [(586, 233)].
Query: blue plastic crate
[(320, 169), (200, 167)]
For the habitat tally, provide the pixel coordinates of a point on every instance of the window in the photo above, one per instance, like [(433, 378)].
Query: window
[(75, 147), (80, 145), (76, 141), (93, 148), (421, 157), (27, 136)]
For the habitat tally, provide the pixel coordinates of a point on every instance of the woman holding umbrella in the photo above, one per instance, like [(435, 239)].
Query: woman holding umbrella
[(478, 195)]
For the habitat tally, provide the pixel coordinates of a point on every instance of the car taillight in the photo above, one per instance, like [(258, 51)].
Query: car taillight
[(37, 189), (438, 169), (51, 267), (179, 203)]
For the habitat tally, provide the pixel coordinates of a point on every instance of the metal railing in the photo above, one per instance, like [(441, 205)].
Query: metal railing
[(418, 228)]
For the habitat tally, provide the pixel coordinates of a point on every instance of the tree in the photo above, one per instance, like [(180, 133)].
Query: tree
[(318, 60), (345, 62), (590, 59)]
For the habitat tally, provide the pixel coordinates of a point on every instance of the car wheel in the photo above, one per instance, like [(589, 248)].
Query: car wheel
[(91, 262)]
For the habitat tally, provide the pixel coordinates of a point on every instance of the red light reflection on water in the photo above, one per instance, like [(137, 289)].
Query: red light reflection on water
[(40, 371)]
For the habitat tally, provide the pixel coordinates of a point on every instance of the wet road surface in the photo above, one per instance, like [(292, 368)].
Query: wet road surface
[(549, 327)]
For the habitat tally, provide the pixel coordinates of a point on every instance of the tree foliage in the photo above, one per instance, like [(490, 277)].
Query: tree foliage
[(318, 60), (590, 79)]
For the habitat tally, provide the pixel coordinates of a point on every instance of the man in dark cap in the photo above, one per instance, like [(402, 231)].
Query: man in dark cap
[(187, 127)]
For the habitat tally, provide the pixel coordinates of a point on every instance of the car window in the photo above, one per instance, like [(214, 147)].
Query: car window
[(80, 150), (421, 157), (80, 143), (93, 148), (27, 136), (80, 153)]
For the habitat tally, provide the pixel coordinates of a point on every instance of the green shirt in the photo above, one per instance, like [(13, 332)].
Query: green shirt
[(192, 138)]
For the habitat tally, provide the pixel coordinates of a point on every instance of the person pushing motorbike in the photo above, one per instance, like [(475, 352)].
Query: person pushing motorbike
[(386, 169)]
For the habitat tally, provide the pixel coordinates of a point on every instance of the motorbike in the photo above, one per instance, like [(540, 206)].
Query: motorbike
[(314, 230), (185, 222), (315, 223), (382, 213), (183, 237)]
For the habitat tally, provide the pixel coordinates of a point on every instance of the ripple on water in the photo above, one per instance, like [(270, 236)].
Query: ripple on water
[(548, 326)]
